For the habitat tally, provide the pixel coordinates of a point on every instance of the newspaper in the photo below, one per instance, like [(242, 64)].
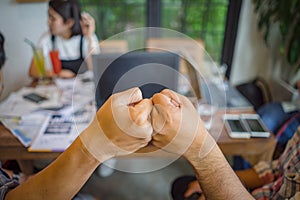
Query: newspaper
[(56, 121), (59, 131)]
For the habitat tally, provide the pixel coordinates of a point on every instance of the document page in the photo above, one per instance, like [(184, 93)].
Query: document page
[(59, 131)]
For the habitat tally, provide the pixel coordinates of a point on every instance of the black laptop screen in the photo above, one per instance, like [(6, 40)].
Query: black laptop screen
[(150, 71)]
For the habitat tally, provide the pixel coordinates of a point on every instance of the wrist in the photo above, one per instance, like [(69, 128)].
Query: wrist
[(89, 155), (96, 143), (93, 46), (201, 146), (91, 40)]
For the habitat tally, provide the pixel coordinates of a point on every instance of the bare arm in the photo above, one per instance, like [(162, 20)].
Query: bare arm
[(248, 177), (181, 131), (215, 175), (103, 139), (62, 179), (88, 29)]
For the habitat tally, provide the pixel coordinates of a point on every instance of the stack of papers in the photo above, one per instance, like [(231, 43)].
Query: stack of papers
[(53, 124)]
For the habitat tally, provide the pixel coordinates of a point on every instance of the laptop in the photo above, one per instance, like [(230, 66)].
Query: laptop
[(224, 96), (150, 71)]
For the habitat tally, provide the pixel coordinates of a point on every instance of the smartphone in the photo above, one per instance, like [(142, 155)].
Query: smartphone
[(255, 125), (235, 127), (34, 97)]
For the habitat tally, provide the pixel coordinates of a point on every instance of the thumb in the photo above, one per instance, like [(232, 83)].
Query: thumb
[(128, 97), (140, 115), (126, 108), (140, 112)]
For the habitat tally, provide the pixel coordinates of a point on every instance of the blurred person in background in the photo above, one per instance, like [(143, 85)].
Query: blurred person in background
[(72, 34)]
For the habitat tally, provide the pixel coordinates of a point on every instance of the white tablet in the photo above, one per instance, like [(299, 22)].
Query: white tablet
[(255, 126)]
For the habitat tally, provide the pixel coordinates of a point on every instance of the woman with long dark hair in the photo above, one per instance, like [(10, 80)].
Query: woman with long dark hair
[(72, 34)]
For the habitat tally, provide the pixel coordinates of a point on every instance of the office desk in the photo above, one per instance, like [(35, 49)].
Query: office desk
[(253, 149)]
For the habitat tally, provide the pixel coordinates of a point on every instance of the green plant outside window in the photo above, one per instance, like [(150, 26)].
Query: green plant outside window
[(199, 19)]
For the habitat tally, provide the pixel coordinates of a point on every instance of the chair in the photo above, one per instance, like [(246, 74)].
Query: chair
[(113, 46), (256, 91), (191, 52)]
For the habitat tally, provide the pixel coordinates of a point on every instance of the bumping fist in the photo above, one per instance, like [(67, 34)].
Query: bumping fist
[(127, 122), (121, 126), (176, 122)]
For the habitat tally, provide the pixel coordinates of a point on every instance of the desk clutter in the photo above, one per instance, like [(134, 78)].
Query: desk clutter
[(50, 117)]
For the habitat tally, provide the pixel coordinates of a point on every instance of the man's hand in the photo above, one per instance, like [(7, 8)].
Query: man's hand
[(176, 123), (122, 126)]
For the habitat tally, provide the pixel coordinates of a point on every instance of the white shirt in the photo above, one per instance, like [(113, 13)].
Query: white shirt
[(69, 49)]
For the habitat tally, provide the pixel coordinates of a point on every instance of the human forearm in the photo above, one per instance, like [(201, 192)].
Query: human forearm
[(60, 180), (93, 49), (216, 177), (93, 44), (180, 129), (249, 178)]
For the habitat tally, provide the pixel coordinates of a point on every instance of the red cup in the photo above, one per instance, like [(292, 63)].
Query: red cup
[(56, 63)]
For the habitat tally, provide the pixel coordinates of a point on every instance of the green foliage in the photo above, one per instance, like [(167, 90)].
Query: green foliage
[(199, 19), (287, 15), (116, 16)]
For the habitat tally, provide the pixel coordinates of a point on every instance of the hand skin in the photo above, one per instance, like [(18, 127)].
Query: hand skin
[(248, 177), (176, 121), (87, 23), (64, 73), (88, 28), (124, 122), (64, 177)]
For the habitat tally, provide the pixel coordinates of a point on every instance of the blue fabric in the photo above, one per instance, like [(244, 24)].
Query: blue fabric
[(282, 124), (273, 116), (289, 129)]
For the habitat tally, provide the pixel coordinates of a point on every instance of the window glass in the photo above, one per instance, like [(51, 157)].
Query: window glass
[(113, 17), (199, 19)]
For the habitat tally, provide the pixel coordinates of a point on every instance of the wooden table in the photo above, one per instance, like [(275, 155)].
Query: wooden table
[(253, 149)]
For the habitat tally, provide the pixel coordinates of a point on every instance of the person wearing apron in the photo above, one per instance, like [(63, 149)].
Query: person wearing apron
[(72, 34), (77, 66)]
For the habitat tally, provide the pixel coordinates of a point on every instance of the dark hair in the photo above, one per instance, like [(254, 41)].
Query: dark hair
[(68, 9), (2, 52)]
